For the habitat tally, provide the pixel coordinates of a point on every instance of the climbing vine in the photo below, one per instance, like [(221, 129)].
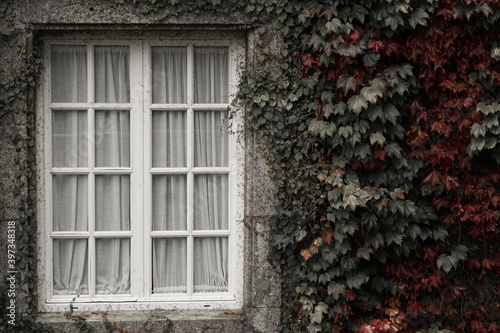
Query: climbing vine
[(379, 123)]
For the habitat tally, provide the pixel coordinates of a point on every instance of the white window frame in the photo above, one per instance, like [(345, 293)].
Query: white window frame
[(141, 296)]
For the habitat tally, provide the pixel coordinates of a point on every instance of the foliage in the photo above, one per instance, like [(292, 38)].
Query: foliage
[(380, 126), (384, 123)]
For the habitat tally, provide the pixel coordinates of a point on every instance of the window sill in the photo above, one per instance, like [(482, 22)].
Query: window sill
[(149, 321)]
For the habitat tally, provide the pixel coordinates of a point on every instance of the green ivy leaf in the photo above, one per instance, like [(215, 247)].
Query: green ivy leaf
[(447, 262), (333, 26), (370, 59), (346, 82), (336, 289), (357, 280), (357, 103)]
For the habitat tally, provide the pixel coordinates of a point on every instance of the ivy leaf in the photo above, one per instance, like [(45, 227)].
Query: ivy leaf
[(359, 12), (478, 130), (418, 16), (319, 310), (370, 59), (340, 108), (355, 281), (336, 289), (333, 25), (364, 253), (447, 262), (306, 254), (328, 234), (357, 103), (460, 252), (321, 128), (346, 82), (6, 28), (377, 137), (316, 42)]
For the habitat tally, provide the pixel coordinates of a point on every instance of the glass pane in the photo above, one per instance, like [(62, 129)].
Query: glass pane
[(112, 138), (112, 202), (69, 73), (112, 266), (210, 139), (169, 265), (70, 267), (169, 66), (169, 139), (211, 202), (70, 202), (69, 139), (112, 74), (210, 264), (211, 66), (169, 202)]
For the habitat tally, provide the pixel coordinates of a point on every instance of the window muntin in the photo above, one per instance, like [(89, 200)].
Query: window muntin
[(192, 177)]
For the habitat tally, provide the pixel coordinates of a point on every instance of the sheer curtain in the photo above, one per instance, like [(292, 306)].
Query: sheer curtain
[(69, 149), (169, 65), (112, 149), (211, 85)]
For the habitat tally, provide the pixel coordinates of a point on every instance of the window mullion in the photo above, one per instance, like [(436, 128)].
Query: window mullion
[(91, 180), (138, 154), (190, 158)]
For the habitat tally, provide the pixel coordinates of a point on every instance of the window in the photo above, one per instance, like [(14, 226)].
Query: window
[(141, 175)]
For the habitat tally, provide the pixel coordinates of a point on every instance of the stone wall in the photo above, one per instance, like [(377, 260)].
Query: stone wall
[(262, 294)]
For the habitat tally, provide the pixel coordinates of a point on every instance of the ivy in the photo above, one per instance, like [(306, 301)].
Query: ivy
[(379, 123)]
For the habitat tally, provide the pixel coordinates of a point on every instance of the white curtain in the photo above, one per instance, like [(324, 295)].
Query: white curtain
[(69, 73), (112, 149), (112, 67), (169, 150), (169, 67), (211, 75)]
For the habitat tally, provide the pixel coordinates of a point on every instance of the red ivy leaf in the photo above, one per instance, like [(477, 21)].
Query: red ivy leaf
[(306, 254), (350, 295), (493, 327), (379, 154), (433, 309), (328, 234), (432, 177), (414, 307), (376, 45)]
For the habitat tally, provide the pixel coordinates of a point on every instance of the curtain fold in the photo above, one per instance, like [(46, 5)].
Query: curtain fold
[(169, 139), (211, 75), (112, 149), (112, 72), (69, 73), (170, 265), (169, 69)]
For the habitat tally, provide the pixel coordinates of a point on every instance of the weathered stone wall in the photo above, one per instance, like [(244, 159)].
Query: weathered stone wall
[(262, 294)]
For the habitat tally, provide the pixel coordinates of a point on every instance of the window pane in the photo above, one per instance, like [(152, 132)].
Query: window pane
[(69, 73), (69, 139), (70, 267), (211, 65), (169, 202), (112, 74), (112, 266), (210, 264), (112, 202), (211, 202), (112, 138), (169, 67), (169, 265), (210, 139), (169, 139), (69, 202)]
